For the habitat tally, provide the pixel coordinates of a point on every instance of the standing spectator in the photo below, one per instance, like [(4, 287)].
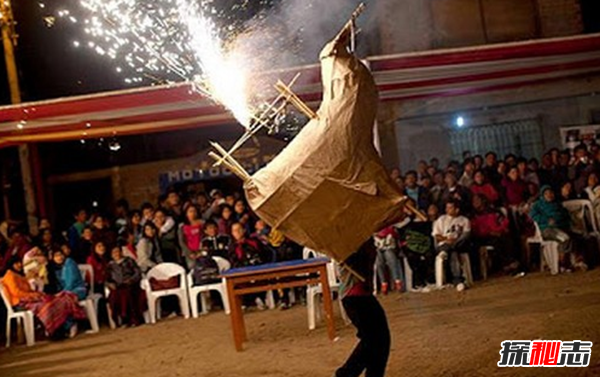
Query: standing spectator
[(190, 235), (515, 189), (438, 188), (102, 232), (466, 180), (74, 232), (456, 192), (421, 170), (121, 211), (452, 233), (491, 169), (147, 213), (18, 246), (478, 162), (241, 215), (225, 221), (46, 242), (173, 203), (526, 174), (385, 243), (84, 246), (417, 193), (148, 248), (134, 225), (167, 236), (98, 261)]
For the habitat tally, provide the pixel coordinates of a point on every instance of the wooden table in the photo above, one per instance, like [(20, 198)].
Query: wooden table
[(274, 276)]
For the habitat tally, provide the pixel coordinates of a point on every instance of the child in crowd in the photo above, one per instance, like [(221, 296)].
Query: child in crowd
[(126, 299)]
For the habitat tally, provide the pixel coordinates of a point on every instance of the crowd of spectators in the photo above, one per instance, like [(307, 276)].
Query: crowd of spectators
[(480, 202), (491, 203)]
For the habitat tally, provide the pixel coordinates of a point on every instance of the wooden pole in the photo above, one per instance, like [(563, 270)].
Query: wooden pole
[(9, 40)]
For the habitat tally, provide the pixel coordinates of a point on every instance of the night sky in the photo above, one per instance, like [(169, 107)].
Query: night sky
[(49, 65)]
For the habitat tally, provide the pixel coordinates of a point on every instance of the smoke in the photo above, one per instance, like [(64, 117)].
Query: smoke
[(293, 32)]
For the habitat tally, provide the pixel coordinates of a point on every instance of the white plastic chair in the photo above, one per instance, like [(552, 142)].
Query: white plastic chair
[(548, 251), (583, 218), (25, 317), (312, 291), (203, 290), (165, 271), (88, 270), (440, 272)]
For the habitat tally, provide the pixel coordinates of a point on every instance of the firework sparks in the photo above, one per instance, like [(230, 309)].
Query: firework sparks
[(165, 41)]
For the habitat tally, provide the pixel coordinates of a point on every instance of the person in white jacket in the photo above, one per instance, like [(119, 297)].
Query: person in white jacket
[(148, 248), (451, 233)]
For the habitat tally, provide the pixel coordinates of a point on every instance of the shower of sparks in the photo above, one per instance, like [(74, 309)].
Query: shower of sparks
[(164, 41)]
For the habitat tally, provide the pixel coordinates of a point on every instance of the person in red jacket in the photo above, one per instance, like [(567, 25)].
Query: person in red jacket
[(481, 186), (99, 262), (516, 190), (490, 227)]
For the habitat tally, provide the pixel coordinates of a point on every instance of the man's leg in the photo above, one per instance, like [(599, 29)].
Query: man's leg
[(372, 352), (455, 267), (396, 271)]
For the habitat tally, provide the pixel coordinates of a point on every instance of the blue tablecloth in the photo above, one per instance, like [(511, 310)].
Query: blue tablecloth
[(272, 266)]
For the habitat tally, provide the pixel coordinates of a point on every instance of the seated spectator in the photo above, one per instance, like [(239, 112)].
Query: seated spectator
[(415, 192), (481, 187), (554, 222), (387, 259), (128, 248), (55, 312), (35, 267), (215, 244), (190, 235), (566, 192), (452, 233), (527, 175), (98, 261), (167, 236), (148, 248), (67, 276), (245, 251), (84, 247), (433, 213), (592, 189), (490, 227), (515, 188), (416, 245), (126, 298)]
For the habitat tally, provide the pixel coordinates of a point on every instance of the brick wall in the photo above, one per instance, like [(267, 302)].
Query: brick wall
[(560, 17)]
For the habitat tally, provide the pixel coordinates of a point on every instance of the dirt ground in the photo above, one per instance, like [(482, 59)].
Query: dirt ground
[(443, 333)]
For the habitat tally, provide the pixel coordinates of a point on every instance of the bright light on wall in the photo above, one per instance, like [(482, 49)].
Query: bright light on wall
[(460, 121)]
